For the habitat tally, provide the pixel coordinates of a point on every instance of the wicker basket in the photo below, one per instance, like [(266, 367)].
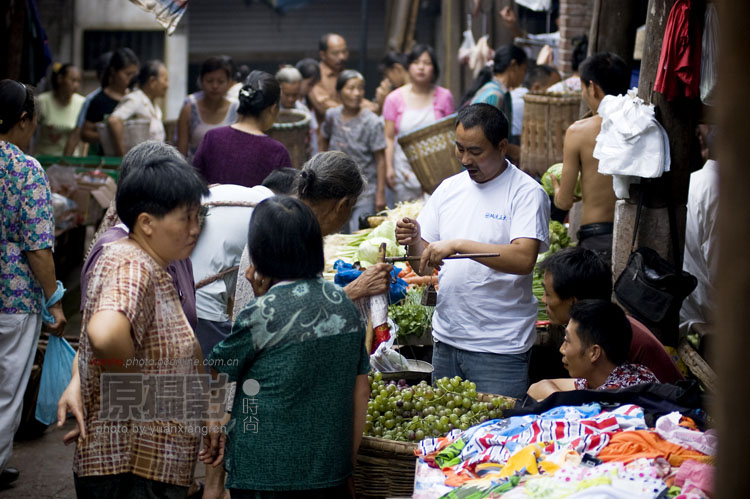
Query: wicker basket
[(291, 129), (431, 152), (134, 132), (385, 468), (546, 117)]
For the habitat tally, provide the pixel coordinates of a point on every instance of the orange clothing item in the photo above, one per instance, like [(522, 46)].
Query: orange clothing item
[(628, 446)]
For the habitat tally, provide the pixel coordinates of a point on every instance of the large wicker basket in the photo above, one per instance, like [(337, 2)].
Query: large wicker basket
[(134, 132), (546, 117), (431, 152), (385, 468), (291, 129)]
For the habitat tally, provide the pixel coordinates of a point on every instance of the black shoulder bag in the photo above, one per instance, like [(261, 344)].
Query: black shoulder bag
[(652, 289)]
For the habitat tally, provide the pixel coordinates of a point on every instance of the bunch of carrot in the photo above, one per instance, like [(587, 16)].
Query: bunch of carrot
[(412, 277)]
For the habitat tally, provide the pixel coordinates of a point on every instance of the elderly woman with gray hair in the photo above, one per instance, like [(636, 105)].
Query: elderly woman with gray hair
[(357, 131), (330, 184)]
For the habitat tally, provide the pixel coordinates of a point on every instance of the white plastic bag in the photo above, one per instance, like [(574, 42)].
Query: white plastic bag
[(631, 142)]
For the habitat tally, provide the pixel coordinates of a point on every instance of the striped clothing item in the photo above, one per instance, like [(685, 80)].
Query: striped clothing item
[(127, 280), (585, 428)]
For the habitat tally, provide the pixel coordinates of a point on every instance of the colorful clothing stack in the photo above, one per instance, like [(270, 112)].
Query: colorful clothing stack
[(575, 451)]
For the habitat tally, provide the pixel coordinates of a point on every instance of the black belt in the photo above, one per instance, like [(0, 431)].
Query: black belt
[(596, 229)]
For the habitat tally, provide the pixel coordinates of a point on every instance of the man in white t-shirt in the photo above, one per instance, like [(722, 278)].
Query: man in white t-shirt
[(484, 321), (219, 248)]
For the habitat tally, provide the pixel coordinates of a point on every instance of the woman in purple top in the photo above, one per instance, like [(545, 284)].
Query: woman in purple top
[(242, 153)]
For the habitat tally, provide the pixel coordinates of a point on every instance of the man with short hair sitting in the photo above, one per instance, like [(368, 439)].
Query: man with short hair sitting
[(595, 350), (580, 274)]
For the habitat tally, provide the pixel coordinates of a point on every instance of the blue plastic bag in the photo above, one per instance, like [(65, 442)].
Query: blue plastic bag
[(58, 361), (346, 273)]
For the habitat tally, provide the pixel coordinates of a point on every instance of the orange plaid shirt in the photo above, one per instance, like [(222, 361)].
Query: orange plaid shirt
[(127, 280)]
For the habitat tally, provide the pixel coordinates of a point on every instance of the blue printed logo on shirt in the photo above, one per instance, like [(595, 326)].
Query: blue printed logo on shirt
[(495, 216)]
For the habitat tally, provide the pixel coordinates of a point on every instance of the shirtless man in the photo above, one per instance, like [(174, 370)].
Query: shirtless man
[(601, 74)]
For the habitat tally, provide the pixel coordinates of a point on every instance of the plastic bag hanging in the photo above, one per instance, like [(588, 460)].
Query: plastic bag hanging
[(58, 361), (710, 56)]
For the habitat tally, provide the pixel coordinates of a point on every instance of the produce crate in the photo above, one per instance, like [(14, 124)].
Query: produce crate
[(385, 468)]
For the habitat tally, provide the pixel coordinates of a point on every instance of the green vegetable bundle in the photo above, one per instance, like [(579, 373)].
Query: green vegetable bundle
[(411, 317)]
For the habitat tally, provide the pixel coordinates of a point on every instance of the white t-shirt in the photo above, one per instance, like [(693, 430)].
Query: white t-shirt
[(136, 104), (701, 244), (479, 309), (220, 245)]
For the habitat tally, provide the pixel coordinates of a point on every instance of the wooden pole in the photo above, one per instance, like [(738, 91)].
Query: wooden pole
[(450, 25), (733, 286)]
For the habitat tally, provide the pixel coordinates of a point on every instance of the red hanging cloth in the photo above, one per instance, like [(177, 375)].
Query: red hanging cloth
[(679, 71)]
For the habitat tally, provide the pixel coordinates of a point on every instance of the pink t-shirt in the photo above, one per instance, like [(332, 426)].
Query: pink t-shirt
[(395, 105)]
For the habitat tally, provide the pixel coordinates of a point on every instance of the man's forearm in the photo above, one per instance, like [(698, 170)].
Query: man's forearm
[(515, 259), (43, 266)]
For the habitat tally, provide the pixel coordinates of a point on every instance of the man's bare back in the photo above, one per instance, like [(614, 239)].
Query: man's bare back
[(596, 189)]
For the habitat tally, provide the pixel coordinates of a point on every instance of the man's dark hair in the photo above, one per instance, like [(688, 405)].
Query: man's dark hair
[(149, 70), (392, 58), (607, 70), (601, 322), (323, 42), (493, 122), (578, 273), (417, 52), (309, 68), (157, 187), (281, 180), (284, 239)]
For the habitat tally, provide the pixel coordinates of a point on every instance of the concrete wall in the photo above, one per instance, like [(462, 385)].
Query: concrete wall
[(123, 15)]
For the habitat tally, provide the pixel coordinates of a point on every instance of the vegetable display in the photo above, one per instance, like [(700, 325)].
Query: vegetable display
[(411, 317)]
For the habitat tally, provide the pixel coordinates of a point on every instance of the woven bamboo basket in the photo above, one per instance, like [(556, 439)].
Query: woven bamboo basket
[(431, 152), (546, 117), (134, 132), (291, 129), (385, 468)]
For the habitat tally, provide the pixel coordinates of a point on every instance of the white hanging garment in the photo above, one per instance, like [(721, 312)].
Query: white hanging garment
[(631, 142), (710, 56)]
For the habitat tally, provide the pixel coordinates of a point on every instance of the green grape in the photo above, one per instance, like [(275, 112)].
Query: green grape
[(419, 435)]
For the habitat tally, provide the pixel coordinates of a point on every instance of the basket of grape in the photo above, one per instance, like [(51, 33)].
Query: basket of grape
[(400, 415)]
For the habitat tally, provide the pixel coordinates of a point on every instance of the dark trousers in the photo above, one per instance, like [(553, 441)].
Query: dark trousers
[(125, 486), (598, 238)]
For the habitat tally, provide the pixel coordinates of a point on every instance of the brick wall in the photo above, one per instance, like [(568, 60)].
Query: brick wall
[(575, 20)]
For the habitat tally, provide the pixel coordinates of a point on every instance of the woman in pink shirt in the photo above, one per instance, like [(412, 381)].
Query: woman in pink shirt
[(415, 105)]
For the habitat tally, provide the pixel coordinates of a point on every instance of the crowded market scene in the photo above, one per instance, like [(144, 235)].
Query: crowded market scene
[(374, 249)]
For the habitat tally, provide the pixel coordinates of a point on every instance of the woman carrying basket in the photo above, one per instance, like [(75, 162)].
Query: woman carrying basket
[(359, 133), (415, 105)]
